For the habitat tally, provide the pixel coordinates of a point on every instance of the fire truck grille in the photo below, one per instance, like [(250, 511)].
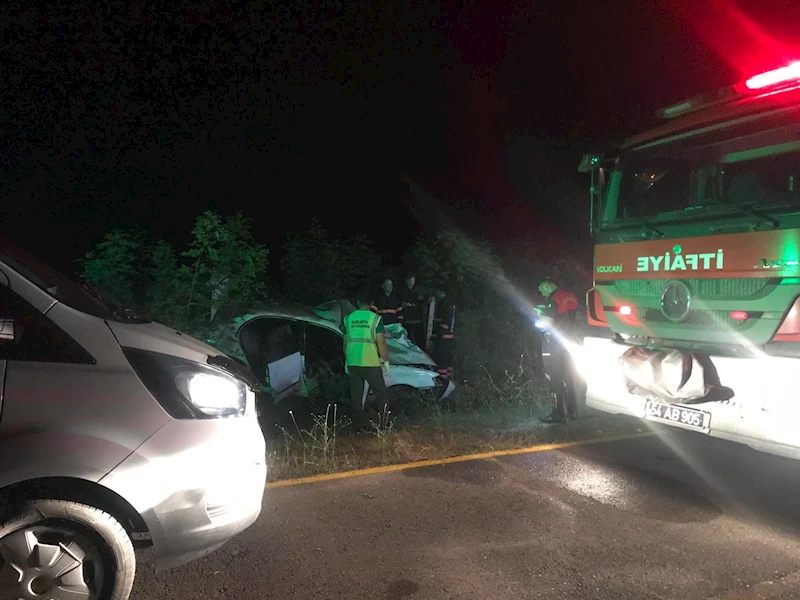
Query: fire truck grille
[(705, 289)]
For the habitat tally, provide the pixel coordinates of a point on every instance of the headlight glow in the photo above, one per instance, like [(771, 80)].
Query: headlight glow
[(214, 394)]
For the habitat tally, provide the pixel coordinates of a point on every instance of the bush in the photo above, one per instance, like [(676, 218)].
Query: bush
[(497, 351)]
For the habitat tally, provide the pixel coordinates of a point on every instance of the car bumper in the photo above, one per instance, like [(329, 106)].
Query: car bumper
[(762, 413), (417, 378), (196, 484)]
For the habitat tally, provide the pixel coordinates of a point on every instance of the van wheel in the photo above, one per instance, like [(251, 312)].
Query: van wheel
[(65, 551)]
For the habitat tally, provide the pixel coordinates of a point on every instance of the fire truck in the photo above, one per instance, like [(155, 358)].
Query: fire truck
[(695, 306)]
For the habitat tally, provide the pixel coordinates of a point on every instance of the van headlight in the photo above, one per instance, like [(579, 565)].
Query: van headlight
[(187, 389)]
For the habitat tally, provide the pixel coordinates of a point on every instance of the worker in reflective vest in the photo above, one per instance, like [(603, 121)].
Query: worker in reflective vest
[(559, 310), (388, 305), (366, 358), (444, 328)]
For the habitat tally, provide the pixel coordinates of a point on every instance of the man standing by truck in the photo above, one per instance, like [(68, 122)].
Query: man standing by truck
[(559, 311)]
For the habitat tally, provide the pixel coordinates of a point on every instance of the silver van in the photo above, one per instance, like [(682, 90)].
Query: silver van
[(114, 432)]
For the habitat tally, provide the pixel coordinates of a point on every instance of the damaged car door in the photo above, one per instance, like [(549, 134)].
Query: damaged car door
[(272, 349)]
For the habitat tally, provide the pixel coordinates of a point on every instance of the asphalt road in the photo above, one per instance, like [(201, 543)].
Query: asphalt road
[(670, 517)]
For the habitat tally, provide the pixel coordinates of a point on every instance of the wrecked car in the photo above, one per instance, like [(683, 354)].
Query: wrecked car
[(282, 342)]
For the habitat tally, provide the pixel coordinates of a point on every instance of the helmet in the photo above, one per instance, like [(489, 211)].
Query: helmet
[(547, 287)]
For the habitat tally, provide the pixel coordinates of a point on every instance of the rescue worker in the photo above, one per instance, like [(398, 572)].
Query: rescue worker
[(444, 327), (366, 358), (559, 310), (388, 305), (412, 296)]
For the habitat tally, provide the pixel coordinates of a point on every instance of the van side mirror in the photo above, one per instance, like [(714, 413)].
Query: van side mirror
[(8, 333)]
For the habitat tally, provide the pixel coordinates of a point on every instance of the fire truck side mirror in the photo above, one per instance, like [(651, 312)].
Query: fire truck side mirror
[(593, 163), (590, 162)]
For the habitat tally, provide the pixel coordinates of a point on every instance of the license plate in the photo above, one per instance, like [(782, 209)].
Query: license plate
[(680, 415)]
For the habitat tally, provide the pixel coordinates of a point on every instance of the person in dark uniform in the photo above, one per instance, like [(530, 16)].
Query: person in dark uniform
[(559, 311), (444, 327), (388, 305), (412, 296)]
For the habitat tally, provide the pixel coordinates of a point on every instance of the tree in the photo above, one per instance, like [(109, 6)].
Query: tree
[(466, 267), (115, 265), (319, 266), (221, 272), (164, 285)]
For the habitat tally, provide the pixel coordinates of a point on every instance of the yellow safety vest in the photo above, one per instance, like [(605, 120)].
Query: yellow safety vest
[(362, 344)]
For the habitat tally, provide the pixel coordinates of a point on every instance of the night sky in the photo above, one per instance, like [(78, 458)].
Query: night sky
[(126, 114)]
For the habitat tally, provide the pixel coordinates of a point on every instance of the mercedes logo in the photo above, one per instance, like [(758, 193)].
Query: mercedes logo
[(675, 300)]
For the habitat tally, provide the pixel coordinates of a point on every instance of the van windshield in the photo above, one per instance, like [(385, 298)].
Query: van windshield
[(78, 295)]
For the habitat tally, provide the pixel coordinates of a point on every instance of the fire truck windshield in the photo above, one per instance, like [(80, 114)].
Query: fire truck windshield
[(655, 185)]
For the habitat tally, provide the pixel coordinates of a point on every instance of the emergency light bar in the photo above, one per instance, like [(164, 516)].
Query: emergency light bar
[(776, 78), (790, 72)]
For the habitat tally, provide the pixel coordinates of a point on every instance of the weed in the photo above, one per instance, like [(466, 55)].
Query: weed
[(313, 448), (385, 434)]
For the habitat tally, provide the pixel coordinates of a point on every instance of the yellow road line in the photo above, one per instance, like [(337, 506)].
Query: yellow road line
[(455, 459)]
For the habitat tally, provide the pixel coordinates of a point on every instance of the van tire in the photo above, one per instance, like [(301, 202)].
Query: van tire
[(95, 532)]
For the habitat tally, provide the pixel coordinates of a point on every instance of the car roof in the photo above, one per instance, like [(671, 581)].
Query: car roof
[(293, 311)]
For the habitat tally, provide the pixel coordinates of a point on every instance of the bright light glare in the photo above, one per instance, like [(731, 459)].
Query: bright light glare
[(213, 393), (739, 315), (788, 73), (625, 310)]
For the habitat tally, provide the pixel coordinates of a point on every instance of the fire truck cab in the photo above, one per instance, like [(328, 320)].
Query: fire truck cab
[(697, 268)]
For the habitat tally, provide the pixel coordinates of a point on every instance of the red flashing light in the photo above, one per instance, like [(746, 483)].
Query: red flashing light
[(739, 315), (625, 310), (790, 72)]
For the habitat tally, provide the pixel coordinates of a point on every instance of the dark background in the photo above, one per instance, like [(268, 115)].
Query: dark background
[(122, 113)]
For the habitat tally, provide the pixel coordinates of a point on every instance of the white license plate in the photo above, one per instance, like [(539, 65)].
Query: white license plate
[(680, 415)]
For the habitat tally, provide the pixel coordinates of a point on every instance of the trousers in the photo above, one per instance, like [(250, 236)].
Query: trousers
[(374, 378), (558, 366)]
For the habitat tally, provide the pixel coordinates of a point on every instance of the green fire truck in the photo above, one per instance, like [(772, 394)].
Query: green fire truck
[(696, 293)]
